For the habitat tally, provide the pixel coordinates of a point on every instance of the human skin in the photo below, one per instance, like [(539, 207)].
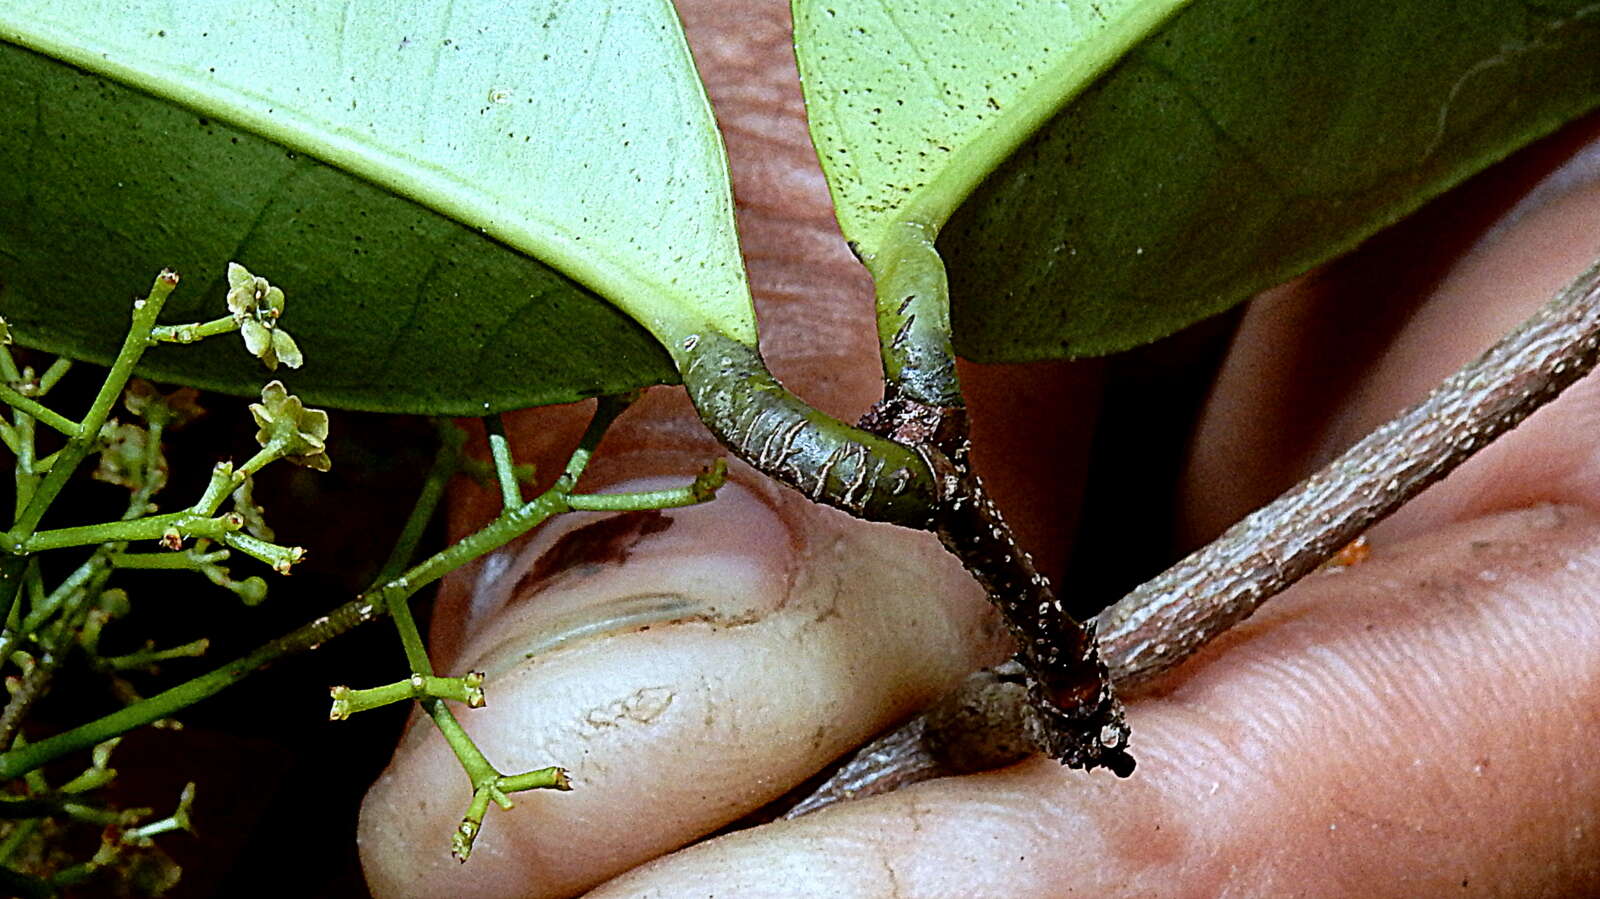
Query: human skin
[(1422, 723)]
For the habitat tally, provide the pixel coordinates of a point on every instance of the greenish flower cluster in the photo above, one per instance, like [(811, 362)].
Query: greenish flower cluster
[(46, 626), (42, 622)]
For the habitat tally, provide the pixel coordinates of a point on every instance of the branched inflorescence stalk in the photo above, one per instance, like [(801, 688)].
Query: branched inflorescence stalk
[(39, 635), (396, 584), (431, 692)]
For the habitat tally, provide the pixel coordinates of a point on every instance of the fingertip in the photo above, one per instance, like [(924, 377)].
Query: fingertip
[(794, 633)]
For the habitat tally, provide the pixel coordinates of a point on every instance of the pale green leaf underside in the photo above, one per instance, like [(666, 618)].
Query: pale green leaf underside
[(505, 118), (913, 103)]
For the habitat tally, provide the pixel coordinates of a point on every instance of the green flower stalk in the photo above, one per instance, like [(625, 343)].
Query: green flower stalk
[(467, 689), (80, 610)]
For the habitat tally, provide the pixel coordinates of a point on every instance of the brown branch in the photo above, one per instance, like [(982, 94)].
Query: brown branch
[(1167, 619), (1077, 719)]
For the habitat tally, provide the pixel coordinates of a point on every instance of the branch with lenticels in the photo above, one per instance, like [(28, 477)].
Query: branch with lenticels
[(985, 723)]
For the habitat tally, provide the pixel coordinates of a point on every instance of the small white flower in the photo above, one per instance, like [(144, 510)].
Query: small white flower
[(281, 415), (257, 305)]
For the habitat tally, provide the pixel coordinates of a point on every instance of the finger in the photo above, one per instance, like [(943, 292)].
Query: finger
[(740, 646), (1421, 725), (686, 667)]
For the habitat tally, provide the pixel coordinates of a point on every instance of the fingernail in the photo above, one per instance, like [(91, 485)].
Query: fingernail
[(589, 574)]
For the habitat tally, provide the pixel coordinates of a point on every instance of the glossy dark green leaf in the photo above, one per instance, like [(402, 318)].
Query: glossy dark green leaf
[(455, 196), (1222, 150)]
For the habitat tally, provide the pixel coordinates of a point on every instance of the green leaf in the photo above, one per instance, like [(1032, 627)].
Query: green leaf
[(1182, 162), (449, 192), (913, 102)]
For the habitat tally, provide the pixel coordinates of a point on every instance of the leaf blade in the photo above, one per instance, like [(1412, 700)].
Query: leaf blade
[(1109, 226), (661, 245), (1276, 169), (911, 105)]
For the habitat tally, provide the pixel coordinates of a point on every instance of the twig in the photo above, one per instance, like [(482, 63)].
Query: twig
[(364, 608), (906, 462), (1078, 719), (30, 406), (1167, 619)]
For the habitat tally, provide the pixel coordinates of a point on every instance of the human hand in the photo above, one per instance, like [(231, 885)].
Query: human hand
[(1417, 724)]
